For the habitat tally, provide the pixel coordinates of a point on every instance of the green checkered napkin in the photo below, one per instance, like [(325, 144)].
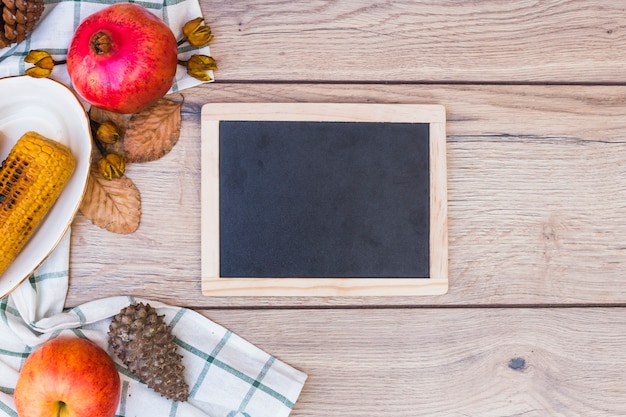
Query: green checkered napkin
[(60, 18), (227, 376)]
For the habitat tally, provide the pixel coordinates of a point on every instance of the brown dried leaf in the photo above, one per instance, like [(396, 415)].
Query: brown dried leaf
[(114, 205), (153, 132)]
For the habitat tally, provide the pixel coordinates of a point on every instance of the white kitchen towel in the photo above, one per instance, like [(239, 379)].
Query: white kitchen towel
[(227, 376), (60, 18)]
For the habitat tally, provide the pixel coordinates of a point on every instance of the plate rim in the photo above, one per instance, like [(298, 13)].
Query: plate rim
[(83, 190)]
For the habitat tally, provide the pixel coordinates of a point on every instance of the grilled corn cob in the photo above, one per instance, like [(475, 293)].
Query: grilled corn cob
[(31, 179)]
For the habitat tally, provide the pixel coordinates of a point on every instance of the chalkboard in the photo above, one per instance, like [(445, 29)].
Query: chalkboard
[(323, 199)]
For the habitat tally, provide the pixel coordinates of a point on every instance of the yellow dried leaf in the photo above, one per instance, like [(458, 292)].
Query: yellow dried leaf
[(114, 205), (153, 132)]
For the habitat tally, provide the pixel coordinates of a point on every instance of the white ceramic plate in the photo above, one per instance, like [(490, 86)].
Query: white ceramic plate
[(52, 109)]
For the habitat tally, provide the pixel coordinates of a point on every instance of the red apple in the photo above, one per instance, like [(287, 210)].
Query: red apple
[(122, 58), (68, 377)]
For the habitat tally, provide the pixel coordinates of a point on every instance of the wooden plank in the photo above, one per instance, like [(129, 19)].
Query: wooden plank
[(436, 282), (498, 112), (536, 194), (418, 41), (447, 362)]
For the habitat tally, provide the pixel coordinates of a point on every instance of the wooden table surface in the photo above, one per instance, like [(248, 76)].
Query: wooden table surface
[(534, 322)]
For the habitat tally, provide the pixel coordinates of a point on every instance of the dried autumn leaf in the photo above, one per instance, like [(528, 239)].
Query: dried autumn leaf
[(114, 205), (153, 132)]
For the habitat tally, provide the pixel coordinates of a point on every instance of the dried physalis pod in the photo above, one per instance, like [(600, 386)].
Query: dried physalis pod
[(18, 19), (107, 132)]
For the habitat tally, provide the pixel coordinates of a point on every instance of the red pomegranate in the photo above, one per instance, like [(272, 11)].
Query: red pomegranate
[(122, 58)]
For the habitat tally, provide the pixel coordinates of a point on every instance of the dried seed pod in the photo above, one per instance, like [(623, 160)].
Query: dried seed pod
[(111, 166), (108, 132), (43, 63), (197, 33)]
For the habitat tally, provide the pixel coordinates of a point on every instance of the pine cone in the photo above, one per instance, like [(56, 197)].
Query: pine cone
[(18, 19), (144, 343)]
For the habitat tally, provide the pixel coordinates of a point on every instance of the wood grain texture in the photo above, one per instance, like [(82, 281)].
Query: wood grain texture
[(447, 362), (536, 196), (535, 94), (416, 41)]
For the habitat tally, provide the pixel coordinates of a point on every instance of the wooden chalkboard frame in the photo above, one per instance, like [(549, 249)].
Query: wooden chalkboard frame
[(215, 285)]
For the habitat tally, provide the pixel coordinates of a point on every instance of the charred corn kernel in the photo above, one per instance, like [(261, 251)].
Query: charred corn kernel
[(31, 179)]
